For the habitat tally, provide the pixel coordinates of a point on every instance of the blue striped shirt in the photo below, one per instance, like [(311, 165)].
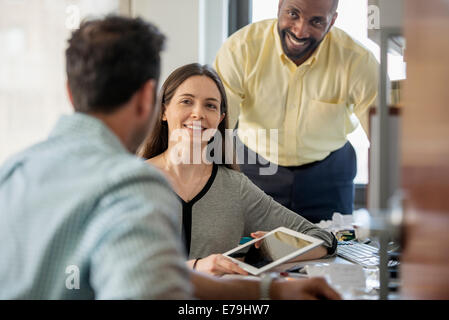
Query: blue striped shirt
[(82, 218)]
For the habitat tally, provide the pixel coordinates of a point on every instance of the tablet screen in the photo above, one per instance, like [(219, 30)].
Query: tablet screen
[(271, 248)]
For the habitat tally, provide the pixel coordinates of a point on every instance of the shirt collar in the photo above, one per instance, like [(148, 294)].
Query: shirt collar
[(84, 126), (312, 59)]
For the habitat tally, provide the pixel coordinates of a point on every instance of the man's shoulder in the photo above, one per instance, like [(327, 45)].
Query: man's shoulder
[(125, 181), (19, 158), (253, 34), (127, 167), (347, 45)]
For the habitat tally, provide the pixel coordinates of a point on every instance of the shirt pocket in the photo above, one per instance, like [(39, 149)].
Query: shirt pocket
[(325, 121)]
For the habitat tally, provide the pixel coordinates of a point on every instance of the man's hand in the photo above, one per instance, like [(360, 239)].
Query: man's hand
[(218, 265), (303, 289)]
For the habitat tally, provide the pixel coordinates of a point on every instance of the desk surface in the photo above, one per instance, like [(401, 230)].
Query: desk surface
[(372, 278), (288, 265)]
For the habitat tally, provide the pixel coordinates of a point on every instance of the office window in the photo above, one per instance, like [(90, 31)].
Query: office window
[(353, 19), (33, 38)]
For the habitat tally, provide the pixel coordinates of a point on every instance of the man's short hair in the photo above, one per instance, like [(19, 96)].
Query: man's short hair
[(109, 59), (334, 6)]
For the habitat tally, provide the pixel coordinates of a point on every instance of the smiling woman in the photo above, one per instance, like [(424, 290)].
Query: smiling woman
[(219, 204), (192, 95), (195, 112)]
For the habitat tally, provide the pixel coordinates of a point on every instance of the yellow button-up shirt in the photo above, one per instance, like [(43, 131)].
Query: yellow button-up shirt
[(293, 115)]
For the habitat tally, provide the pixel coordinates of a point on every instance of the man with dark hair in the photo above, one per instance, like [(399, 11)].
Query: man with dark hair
[(101, 56), (311, 82), (80, 216)]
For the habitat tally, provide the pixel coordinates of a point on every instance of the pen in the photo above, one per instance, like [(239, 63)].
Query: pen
[(291, 276)]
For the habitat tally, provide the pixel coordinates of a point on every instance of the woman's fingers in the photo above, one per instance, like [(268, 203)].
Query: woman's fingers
[(218, 265), (258, 234), (229, 266)]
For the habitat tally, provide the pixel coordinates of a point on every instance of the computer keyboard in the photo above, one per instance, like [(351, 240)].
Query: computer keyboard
[(365, 255), (360, 253)]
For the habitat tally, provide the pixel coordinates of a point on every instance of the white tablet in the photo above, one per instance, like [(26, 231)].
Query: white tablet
[(271, 250)]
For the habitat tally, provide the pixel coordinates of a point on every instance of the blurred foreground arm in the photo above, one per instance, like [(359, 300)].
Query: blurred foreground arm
[(212, 288)]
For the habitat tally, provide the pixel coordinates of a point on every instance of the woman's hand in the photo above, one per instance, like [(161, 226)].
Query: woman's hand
[(258, 234), (218, 265)]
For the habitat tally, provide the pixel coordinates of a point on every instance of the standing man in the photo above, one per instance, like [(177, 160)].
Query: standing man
[(80, 216), (312, 83)]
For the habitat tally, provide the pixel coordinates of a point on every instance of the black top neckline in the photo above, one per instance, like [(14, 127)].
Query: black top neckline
[(203, 191)]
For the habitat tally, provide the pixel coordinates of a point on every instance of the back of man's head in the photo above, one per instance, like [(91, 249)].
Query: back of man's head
[(108, 60)]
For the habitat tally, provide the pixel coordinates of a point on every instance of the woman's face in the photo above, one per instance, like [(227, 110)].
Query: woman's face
[(194, 109)]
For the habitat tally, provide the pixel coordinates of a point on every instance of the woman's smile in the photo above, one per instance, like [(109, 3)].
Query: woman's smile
[(194, 126)]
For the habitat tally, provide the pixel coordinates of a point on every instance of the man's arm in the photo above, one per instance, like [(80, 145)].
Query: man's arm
[(136, 247), (213, 288), (137, 262), (363, 84), (229, 66)]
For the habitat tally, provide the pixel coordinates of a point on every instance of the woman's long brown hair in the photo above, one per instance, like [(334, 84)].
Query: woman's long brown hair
[(157, 141)]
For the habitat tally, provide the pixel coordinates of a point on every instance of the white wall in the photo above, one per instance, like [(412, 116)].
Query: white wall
[(179, 21), (213, 28), (194, 29), (32, 65), (33, 39)]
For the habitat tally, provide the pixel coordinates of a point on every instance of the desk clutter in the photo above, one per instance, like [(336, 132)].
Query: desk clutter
[(354, 245), (354, 273), (352, 281)]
